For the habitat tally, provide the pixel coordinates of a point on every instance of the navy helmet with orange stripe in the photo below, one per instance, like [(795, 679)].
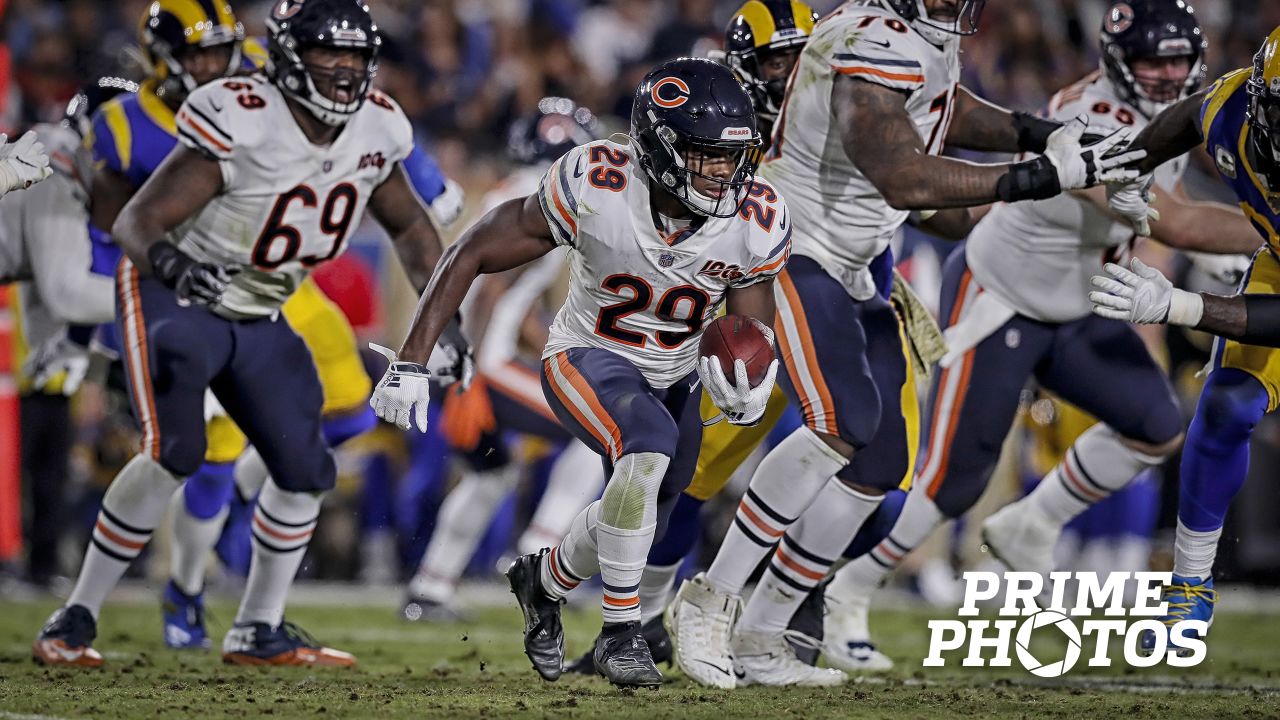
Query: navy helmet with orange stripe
[(763, 32), (557, 126), (172, 30), (296, 26), (690, 114)]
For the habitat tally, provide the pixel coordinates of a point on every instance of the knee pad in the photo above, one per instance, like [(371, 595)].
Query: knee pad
[(209, 490), (1231, 404), (630, 499)]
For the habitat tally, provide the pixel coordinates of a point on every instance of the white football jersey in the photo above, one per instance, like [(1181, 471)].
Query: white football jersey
[(1038, 255), (842, 220), (634, 292), (286, 204)]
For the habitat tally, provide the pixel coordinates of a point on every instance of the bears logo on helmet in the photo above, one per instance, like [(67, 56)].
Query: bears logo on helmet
[(674, 99)]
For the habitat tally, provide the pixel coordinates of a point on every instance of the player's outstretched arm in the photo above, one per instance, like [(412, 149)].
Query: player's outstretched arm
[(1187, 224), (401, 213), (156, 208), (510, 235), (980, 125), (1174, 132), (877, 132)]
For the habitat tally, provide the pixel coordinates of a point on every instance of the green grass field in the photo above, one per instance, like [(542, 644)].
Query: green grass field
[(476, 669)]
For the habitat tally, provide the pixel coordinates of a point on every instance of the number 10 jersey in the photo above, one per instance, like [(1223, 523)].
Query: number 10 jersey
[(634, 292), (286, 204)]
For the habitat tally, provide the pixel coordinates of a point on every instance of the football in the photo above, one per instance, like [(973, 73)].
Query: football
[(734, 337)]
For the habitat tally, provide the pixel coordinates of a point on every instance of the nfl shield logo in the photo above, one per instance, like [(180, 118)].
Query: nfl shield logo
[(328, 165), (666, 259)]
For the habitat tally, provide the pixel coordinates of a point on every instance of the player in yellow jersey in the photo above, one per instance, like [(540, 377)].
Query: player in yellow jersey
[(1237, 120)]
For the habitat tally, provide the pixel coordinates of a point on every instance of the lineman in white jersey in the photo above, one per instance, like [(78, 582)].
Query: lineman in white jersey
[(273, 173), (510, 310), (1015, 302), (663, 226), (870, 105)]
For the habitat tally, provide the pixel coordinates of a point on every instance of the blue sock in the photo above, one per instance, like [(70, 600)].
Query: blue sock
[(681, 534), (209, 490), (1215, 459), (879, 525)]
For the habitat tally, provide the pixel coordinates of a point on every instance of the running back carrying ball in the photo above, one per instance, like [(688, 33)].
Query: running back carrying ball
[(734, 337)]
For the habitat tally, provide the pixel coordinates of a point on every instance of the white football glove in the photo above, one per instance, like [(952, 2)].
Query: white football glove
[(1132, 201), (22, 164), (448, 205), (1143, 296), (403, 386), (59, 365), (740, 403), (1080, 167)]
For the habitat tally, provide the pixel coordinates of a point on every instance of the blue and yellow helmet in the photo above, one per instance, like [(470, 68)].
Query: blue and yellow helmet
[(1263, 88), (170, 28), (758, 28)]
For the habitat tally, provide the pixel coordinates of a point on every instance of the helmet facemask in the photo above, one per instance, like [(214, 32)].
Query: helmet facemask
[(177, 83), (1264, 138), (940, 30), (679, 165), (1151, 96), (748, 67)]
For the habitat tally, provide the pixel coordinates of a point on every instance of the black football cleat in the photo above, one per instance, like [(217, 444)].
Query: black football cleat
[(67, 639), (543, 633), (655, 634), (622, 657)]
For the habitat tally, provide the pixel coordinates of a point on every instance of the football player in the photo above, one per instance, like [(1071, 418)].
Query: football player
[(874, 98), (663, 226), (44, 247), (1237, 120), (294, 155), (1015, 308), (506, 393)]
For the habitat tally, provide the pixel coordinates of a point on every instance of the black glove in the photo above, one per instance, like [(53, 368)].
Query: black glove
[(192, 281), (451, 361)]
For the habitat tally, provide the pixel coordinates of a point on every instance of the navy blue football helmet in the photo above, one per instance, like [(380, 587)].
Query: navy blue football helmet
[(1136, 29), (687, 110), (556, 127), (295, 25)]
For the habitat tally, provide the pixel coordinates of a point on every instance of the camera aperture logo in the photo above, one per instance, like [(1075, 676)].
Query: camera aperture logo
[(989, 642)]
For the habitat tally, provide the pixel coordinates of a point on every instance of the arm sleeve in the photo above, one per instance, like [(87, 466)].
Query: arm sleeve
[(558, 194), (56, 230), (1262, 321), (424, 174), (878, 55)]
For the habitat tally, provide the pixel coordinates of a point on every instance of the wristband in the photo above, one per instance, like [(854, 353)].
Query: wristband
[(1185, 308), (1035, 179), (1033, 132)]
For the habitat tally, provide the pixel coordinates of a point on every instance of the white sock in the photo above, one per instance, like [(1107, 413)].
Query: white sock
[(132, 508), (283, 523), (461, 523), (251, 474), (1098, 464), (624, 532), (806, 554), (576, 558), (655, 589), (919, 518), (784, 484), (1195, 551), (576, 480), (191, 540)]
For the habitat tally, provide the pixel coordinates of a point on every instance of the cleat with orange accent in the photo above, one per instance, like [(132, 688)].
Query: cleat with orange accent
[(287, 644), (66, 639)]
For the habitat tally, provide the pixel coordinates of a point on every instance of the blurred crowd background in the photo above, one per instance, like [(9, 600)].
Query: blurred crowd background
[(463, 70)]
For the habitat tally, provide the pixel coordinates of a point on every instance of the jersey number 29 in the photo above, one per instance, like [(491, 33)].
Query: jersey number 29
[(641, 295)]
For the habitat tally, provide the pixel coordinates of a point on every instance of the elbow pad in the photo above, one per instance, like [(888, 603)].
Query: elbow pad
[(1262, 320), (1029, 180), (1033, 132)]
